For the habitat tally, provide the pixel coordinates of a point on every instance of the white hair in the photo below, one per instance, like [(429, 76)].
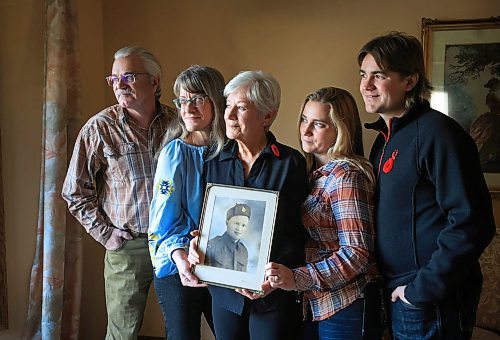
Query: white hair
[(151, 64), (261, 88)]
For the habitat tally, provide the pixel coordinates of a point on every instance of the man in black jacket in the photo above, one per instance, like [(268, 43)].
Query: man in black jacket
[(433, 215)]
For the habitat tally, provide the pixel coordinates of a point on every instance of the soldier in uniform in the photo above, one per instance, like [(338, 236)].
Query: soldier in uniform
[(227, 251)]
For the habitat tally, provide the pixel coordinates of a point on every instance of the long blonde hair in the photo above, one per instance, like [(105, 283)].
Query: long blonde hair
[(344, 116)]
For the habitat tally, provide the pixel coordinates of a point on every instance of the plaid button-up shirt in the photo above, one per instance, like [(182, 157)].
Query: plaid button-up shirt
[(110, 177), (338, 214)]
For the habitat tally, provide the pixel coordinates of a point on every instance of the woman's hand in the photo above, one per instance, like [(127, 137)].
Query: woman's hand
[(194, 257), (266, 288), (188, 279), (280, 276)]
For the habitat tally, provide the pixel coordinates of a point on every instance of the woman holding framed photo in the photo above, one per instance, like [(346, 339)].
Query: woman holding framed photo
[(253, 158)]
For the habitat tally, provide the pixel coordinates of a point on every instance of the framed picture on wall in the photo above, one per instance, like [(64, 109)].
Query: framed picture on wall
[(236, 231), (463, 64)]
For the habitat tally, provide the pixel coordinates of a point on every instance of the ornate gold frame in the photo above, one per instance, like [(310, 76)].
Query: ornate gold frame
[(435, 35)]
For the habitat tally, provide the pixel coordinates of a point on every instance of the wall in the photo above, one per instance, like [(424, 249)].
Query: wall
[(306, 45), (21, 81), (94, 67)]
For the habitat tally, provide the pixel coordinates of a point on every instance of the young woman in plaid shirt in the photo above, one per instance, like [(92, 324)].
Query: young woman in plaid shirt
[(339, 281)]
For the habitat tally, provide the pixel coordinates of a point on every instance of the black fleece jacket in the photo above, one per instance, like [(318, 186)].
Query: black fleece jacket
[(434, 215)]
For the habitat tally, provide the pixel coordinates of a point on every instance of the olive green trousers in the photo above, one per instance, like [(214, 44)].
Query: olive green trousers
[(128, 274)]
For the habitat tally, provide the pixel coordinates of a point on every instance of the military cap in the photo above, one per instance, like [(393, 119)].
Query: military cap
[(239, 209)]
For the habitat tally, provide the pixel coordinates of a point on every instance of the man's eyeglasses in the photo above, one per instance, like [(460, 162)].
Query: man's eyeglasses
[(183, 102), (126, 78)]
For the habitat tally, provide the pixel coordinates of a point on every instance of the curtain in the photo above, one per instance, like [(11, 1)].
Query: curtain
[(55, 286), (4, 321)]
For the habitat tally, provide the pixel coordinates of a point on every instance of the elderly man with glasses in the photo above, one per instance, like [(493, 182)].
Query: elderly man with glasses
[(109, 184)]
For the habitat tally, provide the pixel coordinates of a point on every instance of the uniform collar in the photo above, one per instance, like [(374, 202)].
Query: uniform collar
[(229, 241)]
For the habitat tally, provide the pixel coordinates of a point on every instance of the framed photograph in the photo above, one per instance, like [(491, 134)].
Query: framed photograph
[(236, 232), (463, 64)]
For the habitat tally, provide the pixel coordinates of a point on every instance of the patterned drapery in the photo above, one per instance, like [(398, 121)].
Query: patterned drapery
[(55, 286), (4, 321)]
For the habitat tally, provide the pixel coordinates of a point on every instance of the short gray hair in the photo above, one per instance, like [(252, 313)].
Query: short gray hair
[(261, 88), (151, 64)]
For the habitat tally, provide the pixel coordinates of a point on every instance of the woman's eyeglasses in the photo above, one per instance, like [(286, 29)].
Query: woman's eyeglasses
[(183, 102)]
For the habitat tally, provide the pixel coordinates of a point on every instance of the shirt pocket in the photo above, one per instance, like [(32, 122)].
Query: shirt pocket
[(120, 159), (318, 219)]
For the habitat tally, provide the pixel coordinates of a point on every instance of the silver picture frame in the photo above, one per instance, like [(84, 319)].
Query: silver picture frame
[(235, 261)]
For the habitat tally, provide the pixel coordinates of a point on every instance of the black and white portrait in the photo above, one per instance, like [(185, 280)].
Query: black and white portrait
[(235, 233)]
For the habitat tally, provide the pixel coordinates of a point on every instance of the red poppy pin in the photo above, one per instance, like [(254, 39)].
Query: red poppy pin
[(275, 150), (389, 164)]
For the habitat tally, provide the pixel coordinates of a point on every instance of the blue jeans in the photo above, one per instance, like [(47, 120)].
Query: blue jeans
[(454, 318), (182, 307), (360, 320)]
